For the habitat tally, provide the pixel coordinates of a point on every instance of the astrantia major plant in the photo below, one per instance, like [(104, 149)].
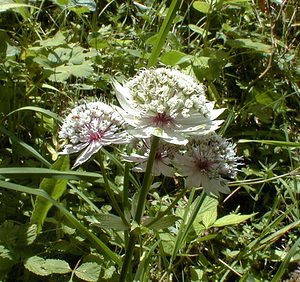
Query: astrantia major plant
[(171, 124)]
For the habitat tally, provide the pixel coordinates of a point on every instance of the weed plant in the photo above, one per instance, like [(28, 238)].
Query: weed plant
[(81, 224)]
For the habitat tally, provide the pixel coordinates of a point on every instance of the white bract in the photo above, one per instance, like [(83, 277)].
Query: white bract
[(162, 163), (204, 162), (166, 103), (89, 127)]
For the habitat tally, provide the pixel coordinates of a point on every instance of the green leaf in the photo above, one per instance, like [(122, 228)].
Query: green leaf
[(162, 223), (248, 43), (36, 264), (63, 72), (271, 142), (50, 173), (108, 221), (199, 30), (37, 109), (174, 57), (56, 40), (6, 259), (45, 267), (202, 6), (57, 266), (55, 188), (232, 219), (88, 271)]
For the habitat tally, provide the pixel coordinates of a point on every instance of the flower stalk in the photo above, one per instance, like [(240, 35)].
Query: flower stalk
[(133, 236)]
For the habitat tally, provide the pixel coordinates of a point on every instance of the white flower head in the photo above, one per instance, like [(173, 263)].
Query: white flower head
[(162, 162), (166, 103), (206, 160), (90, 126)]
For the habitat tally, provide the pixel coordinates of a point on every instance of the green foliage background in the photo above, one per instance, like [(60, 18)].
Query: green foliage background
[(55, 53)]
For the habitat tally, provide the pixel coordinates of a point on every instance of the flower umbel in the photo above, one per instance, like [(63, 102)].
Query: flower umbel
[(162, 162), (166, 103), (206, 160), (90, 126)]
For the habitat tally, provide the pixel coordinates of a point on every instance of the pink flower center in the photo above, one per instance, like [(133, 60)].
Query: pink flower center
[(96, 135), (204, 165), (162, 119)]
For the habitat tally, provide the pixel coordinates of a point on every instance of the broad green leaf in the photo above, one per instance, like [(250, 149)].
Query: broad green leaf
[(63, 72), (45, 267), (248, 43), (7, 259), (36, 264), (202, 6), (108, 221), (209, 218), (57, 266), (88, 271), (232, 219), (174, 57), (56, 40), (55, 188), (162, 223)]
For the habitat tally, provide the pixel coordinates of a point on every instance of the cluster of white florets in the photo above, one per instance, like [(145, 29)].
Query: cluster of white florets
[(160, 102)]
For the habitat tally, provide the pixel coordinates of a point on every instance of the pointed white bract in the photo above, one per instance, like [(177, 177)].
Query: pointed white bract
[(90, 126), (166, 103), (162, 162), (205, 161)]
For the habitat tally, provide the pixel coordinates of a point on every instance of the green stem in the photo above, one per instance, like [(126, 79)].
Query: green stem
[(146, 181), (108, 190), (133, 236)]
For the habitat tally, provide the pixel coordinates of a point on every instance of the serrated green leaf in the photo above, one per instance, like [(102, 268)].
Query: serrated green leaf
[(202, 6), (36, 264), (6, 259), (63, 72), (209, 218), (108, 221), (88, 271), (57, 266), (232, 219), (56, 40), (55, 188)]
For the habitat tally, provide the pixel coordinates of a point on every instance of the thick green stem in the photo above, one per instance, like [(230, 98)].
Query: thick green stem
[(146, 181)]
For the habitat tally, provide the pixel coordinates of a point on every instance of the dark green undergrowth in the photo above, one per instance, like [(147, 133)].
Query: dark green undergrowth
[(56, 53)]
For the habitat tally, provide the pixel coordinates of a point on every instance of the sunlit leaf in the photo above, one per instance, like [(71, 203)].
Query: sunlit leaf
[(232, 219), (88, 271)]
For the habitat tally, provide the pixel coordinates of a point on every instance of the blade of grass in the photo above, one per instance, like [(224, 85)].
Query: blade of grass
[(101, 246), (25, 146), (163, 32)]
